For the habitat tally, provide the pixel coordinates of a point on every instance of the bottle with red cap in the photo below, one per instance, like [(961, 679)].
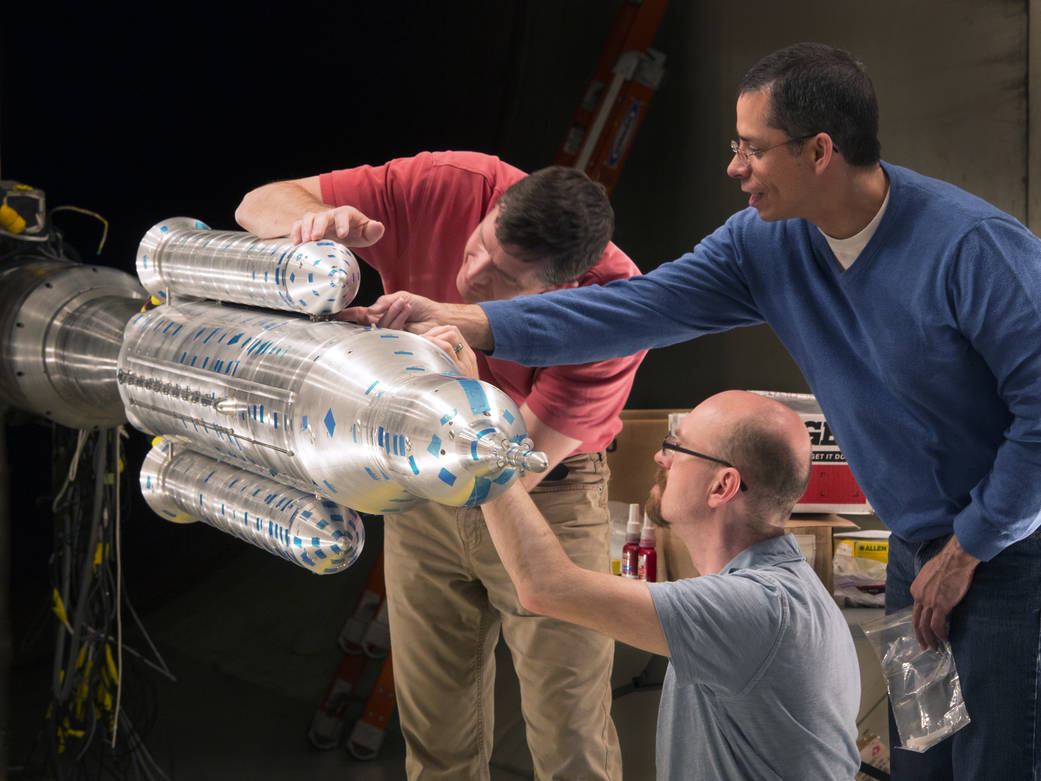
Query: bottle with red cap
[(631, 549), (647, 556)]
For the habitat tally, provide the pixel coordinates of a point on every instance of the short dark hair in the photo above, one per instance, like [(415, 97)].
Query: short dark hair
[(557, 214), (776, 475), (816, 88)]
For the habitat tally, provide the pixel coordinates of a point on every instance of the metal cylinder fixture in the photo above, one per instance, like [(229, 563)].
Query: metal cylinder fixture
[(375, 419), (61, 326), (184, 486), (182, 256)]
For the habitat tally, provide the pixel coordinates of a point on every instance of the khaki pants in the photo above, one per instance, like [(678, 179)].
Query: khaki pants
[(448, 596)]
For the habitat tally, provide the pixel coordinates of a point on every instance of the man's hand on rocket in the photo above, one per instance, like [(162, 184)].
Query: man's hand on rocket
[(344, 223), (402, 310), (448, 338)]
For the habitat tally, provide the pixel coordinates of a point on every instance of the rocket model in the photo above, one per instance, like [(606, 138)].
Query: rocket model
[(273, 423)]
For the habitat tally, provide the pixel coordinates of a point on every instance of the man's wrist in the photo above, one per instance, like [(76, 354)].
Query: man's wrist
[(960, 557), (472, 324)]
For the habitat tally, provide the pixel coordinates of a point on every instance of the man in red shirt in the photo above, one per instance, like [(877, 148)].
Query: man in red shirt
[(459, 228)]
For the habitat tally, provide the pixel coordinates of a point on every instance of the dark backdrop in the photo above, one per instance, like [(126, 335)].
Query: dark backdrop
[(144, 111)]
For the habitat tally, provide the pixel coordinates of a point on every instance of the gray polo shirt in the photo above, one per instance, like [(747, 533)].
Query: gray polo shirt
[(763, 680)]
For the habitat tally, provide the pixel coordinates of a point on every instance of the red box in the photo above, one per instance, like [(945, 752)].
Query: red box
[(832, 488)]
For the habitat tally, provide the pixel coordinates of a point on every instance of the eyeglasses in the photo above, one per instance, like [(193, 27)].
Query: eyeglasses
[(745, 155), (668, 444)]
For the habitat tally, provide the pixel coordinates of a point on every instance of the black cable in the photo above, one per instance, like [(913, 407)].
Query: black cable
[(103, 698)]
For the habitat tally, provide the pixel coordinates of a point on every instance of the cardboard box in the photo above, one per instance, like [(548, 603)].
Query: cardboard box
[(813, 532), (832, 488), (875, 753), (631, 455)]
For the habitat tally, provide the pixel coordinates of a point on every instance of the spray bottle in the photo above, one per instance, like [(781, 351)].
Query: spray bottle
[(647, 557), (631, 549)]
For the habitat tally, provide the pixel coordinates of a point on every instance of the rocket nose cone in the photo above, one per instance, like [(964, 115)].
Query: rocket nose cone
[(524, 458)]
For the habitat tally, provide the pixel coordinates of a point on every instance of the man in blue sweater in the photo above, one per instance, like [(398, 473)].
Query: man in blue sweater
[(913, 310)]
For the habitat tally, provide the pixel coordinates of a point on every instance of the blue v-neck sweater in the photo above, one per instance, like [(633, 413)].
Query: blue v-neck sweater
[(925, 355)]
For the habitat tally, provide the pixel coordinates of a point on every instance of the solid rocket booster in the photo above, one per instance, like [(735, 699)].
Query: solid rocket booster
[(184, 486), (182, 256), (374, 419)]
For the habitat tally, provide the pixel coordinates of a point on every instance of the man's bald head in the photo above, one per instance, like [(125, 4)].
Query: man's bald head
[(765, 440)]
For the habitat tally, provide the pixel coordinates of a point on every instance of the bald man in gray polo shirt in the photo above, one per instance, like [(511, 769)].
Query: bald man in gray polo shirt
[(763, 681)]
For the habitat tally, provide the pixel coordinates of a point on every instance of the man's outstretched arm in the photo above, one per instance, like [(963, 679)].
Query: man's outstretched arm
[(407, 311), (549, 583)]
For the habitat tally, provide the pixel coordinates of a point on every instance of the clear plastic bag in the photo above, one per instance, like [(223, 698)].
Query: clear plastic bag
[(924, 689)]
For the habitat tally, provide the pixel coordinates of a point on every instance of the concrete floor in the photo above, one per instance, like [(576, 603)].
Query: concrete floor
[(252, 643)]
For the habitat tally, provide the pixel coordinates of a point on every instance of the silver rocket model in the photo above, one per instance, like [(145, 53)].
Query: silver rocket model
[(184, 486), (182, 256), (375, 419), (315, 416)]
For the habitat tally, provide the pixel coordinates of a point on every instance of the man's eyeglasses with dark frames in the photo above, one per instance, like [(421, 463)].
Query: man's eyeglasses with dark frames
[(668, 444)]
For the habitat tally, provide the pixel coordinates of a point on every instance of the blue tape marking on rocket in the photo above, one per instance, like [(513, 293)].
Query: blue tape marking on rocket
[(475, 395), (330, 487), (369, 389), (434, 448), (480, 491), (505, 477), (450, 416), (446, 477), (330, 422), (371, 474), (403, 352), (412, 463), (379, 436), (507, 416)]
